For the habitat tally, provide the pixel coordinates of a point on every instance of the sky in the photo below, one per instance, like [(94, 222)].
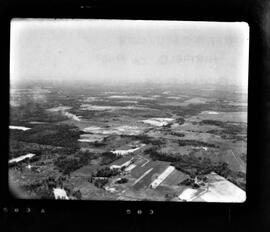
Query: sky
[(120, 51)]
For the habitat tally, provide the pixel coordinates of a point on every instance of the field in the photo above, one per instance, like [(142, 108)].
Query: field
[(78, 134)]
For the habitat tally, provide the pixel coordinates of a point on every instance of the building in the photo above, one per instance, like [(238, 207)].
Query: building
[(123, 162)]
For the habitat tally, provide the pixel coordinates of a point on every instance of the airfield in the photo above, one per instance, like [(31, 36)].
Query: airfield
[(120, 143)]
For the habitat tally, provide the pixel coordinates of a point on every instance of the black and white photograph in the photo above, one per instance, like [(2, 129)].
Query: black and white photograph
[(128, 110)]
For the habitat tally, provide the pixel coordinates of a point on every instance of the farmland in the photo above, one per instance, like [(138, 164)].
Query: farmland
[(110, 142)]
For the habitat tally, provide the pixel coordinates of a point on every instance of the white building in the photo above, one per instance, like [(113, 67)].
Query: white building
[(123, 162), (60, 193)]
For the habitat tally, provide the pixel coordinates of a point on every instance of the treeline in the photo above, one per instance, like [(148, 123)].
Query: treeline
[(38, 150), (195, 109), (190, 164), (203, 167), (54, 135), (19, 148), (13, 153), (108, 157), (155, 155), (177, 134), (190, 109), (229, 131), (66, 164), (99, 144), (194, 166), (122, 181), (33, 111), (143, 138), (107, 172), (195, 143), (227, 127), (213, 123), (148, 140), (180, 120)]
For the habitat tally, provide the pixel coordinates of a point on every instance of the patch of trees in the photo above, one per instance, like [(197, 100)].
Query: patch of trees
[(190, 109), (241, 175), (25, 161), (230, 131), (106, 172), (143, 138), (195, 143), (100, 183), (180, 120), (101, 177), (240, 184), (108, 157), (177, 134), (44, 188), (243, 157), (170, 196), (122, 181), (227, 135), (66, 165), (192, 165), (194, 109), (168, 125), (157, 142), (45, 193), (77, 194), (148, 140), (195, 182), (190, 182), (155, 155), (55, 135), (33, 111), (213, 123), (18, 148), (85, 156), (99, 144)]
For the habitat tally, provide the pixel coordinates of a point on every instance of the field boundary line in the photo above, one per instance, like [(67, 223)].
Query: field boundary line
[(142, 176)]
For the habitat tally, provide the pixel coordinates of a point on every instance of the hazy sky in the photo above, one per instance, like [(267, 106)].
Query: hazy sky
[(129, 50)]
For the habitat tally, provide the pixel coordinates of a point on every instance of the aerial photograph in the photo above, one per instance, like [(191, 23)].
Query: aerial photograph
[(128, 110)]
